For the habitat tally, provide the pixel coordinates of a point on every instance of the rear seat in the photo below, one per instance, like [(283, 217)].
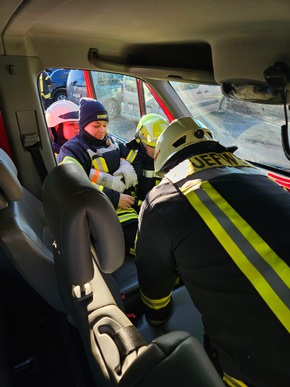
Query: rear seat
[(24, 236)]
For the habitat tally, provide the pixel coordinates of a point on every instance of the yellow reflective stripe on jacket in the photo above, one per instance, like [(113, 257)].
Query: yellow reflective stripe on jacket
[(41, 83), (125, 215), (267, 272), (100, 164), (69, 159), (131, 155), (41, 87), (230, 381), (156, 304)]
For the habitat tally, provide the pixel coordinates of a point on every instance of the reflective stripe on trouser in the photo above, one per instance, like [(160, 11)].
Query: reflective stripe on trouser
[(266, 271), (230, 381), (125, 215), (156, 304)]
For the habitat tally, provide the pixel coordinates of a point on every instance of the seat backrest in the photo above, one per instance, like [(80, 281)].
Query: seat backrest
[(89, 246), (83, 222), (24, 234)]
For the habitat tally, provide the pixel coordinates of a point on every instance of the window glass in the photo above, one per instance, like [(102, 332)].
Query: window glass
[(120, 94), (151, 104), (254, 128), (76, 86)]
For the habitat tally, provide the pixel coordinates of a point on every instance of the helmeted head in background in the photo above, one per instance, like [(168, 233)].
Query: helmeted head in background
[(62, 120), (91, 110), (149, 129), (180, 134), (60, 112)]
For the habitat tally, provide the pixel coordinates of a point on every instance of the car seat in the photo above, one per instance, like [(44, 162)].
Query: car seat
[(88, 247), (26, 240), (24, 234)]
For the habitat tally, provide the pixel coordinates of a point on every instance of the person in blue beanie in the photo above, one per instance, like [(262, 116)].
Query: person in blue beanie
[(104, 161)]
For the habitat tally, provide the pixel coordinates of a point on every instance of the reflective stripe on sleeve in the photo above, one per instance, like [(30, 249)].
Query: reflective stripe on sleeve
[(131, 156), (69, 159), (156, 304), (94, 176), (266, 271), (125, 215), (148, 173), (100, 163)]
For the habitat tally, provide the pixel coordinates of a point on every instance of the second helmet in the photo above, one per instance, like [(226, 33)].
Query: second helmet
[(149, 128), (61, 111)]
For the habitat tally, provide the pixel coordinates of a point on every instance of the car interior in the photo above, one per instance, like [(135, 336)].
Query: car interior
[(71, 313)]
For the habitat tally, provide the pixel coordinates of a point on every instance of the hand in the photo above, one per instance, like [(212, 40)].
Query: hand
[(107, 180), (127, 172), (125, 201)]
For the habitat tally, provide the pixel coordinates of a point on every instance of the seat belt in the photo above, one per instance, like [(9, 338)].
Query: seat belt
[(30, 138), (31, 144)]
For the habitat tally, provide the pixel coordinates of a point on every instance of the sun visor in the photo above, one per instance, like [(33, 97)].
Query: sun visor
[(141, 63)]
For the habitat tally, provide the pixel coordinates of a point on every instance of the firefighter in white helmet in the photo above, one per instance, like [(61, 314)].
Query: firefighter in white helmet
[(62, 119), (222, 226)]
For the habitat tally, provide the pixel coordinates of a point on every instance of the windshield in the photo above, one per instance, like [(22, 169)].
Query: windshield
[(254, 128)]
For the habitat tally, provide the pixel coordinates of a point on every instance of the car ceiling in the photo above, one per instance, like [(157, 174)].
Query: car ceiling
[(200, 40)]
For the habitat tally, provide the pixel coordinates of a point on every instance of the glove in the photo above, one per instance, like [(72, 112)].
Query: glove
[(107, 180), (127, 172)]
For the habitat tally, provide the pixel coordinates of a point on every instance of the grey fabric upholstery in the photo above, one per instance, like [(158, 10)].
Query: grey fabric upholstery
[(11, 189), (78, 211), (27, 240), (175, 359), (89, 247), (24, 234)]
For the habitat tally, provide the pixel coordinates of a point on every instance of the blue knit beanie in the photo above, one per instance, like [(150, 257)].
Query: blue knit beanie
[(91, 110)]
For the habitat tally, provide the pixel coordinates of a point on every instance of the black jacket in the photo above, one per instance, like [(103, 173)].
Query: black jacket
[(174, 240), (146, 179)]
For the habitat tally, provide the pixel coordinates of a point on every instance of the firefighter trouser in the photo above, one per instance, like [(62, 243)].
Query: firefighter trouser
[(129, 222)]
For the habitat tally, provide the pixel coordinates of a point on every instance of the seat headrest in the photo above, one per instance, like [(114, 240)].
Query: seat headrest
[(80, 215), (10, 187)]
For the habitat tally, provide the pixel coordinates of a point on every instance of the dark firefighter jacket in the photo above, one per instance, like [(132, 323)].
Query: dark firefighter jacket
[(217, 223), (107, 151), (44, 81), (147, 179)]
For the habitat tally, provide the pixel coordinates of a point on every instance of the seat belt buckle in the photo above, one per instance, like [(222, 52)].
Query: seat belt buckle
[(30, 140)]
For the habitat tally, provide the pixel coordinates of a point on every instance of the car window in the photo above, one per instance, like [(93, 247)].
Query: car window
[(121, 96), (254, 128), (59, 75), (76, 86), (125, 98)]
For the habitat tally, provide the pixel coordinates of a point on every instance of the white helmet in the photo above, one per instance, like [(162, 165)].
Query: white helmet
[(61, 111), (180, 134)]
